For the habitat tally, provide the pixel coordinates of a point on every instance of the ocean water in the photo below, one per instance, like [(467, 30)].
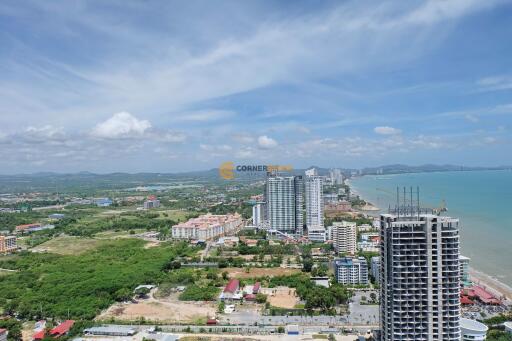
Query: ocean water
[(482, 200)]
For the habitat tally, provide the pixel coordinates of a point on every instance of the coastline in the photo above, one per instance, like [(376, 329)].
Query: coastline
[(490, 283), (478, 277)]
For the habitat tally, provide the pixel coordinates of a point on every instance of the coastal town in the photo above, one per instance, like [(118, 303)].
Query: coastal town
[(255, 170), (218, 260)]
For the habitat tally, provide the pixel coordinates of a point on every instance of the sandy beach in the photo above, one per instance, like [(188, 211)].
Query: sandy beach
[(491, 284)]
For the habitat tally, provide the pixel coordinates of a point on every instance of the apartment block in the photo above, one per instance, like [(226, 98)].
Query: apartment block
[(285, 203), (207, 226), (8, 244), (351, 270), (344, 237), (314, 206), (419, 277)]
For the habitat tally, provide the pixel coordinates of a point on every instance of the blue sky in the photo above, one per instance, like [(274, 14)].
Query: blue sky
[(185, 85)]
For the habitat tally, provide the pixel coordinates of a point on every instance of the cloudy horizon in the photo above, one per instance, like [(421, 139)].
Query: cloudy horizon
[(170, 86)]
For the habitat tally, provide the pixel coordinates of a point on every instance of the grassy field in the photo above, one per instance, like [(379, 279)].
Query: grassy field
[(69, 245), (176, 215), (118, 234)]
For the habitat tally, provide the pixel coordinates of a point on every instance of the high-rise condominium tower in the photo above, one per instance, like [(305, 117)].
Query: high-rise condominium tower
[(285, 203), (419, 277), (314, 207), (344, 237)]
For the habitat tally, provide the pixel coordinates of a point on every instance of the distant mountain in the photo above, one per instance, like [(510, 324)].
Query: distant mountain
[(399, 168)]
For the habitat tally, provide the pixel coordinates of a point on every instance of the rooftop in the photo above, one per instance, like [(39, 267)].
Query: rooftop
[(232, 286), (62, 328), (473, 325)]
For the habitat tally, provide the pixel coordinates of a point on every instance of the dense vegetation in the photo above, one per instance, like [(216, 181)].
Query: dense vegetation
[(264, 248), (200, 293), (498, 335), (13, 326), (49, 285), (316, 297)]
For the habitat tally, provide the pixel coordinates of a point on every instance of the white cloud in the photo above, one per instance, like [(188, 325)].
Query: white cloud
[(266, 142), (169, 136), (385, 130), (205, 115), (472, 118), (121, 125), (44, 133), (495, 83)]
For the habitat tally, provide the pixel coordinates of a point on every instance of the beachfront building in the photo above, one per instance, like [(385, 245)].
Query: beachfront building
[(465, 281), (351, 270), (344, 237), (285, 204), (472, 330), (419, 277), (314, 206), (335, 176), (207, 226), (8, 244)]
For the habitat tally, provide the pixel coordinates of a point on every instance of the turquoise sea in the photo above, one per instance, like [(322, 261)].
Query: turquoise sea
[(482, 200)]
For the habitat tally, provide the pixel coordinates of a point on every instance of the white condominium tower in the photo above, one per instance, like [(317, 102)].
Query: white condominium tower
[(344, 237), (419, 276), (314, 206), (336, 177), (285, 203)]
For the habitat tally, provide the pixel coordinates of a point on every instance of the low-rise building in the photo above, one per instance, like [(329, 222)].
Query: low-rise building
[(56, 216), (368, 246), (29, 228), (351, 270), (152, 202), (473, 330), (207, 226), (62, 329), (8, 244), (103, 202), (231, 290)]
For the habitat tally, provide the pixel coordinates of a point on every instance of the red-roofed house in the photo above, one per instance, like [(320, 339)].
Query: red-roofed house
[(3, 334), (484, 296), (256, 288), (39, 335), (466, 300), (62, 329), (21, 228), (250, 297), (231, 291)]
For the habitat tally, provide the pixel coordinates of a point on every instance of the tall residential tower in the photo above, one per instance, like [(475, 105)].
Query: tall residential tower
[(285, 203), (314, 206), (419, 276)]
